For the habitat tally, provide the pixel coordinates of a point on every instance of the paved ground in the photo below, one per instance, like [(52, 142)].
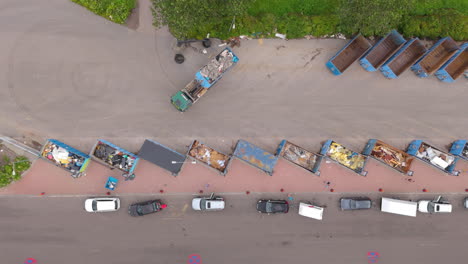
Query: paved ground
[(76, 77), (57, 230)]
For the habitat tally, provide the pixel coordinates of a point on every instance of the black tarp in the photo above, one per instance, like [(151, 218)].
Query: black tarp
[(162, 156)]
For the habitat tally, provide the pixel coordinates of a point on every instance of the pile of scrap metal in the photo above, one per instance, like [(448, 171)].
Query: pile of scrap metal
[(209, 156), (63, 158), (346, 157), (434, 156), (392, 157), (114, 157), (299, 156), (218, 65)]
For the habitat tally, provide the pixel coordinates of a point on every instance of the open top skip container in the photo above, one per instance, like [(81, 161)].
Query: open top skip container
[(382, 51), (406, 56), (435, 57), (348, 54), (208, 156), (395, 158), (460, 148), (65, 157), (162, 156), (348, 158), (455, 66), (442, 160), (114, 157), (299, 156), (255, 156)]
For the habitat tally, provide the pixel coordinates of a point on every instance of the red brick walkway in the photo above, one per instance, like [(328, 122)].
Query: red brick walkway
[(241, 177)]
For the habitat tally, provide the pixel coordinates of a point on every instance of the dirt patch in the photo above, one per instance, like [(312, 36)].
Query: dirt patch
[(6, 152), (133, 20)]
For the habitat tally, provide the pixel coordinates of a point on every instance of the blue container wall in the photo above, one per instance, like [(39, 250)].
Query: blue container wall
[(255, 156), (332, 66)]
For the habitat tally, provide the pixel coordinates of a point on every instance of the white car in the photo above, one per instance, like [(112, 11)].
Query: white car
[(211, 203), (435, 206), (103, 204)]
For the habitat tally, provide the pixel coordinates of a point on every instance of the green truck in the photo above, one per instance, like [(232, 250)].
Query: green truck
[(205, 78)]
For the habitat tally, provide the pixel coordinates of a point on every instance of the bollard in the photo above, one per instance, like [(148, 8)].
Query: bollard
[(247, 192)]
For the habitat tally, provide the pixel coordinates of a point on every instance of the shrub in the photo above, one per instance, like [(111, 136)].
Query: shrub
[(8, 175)]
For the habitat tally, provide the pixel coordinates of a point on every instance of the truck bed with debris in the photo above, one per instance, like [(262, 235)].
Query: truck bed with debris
[(403, 58), (65, 157), (455, 66), (434, 156), (393, 157), (299, 156), (209, 156), (460, 148), (114, 156), (348, 158), (348, 54), (382, 51), (206, 77), (255, 156), (437, 55)]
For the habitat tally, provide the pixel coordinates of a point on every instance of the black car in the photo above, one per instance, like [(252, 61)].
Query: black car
[(144, 208), (272, 206), (355, 203)]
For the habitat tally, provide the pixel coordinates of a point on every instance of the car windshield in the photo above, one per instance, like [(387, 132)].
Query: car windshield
[(94, 205), (269, 207), (430, 207), (203, 204)]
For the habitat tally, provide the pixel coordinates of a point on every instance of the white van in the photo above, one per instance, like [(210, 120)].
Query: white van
[(311, 211), (400, 207)]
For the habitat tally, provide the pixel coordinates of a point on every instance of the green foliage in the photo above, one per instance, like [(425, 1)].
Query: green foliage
[(372, 18), (8, 175), (297, 18), (447, 22), (196, 18), (115, 10)]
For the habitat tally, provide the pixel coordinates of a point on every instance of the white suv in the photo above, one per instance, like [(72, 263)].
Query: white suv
[(435, 206), (212, 203), (103, 204)]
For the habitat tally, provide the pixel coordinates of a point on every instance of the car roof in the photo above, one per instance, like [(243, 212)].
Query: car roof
[(215, 204), (105, 205)]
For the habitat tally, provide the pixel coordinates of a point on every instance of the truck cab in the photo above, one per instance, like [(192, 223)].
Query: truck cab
[(435, 206)]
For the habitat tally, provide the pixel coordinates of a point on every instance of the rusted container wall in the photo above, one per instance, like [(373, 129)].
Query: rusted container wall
[(403, 59), (395, 158), (437, 55), (299, 156), (348, 54), (381, 51), (455, 66)]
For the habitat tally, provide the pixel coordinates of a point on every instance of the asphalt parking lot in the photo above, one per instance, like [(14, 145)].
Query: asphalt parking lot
[(35, 227)]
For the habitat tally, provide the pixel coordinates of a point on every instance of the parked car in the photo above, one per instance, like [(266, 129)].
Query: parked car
[(272, 206), (436, 206), (144, 208), (466, 202), (211, 203), (102, 204), (358, 203)]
